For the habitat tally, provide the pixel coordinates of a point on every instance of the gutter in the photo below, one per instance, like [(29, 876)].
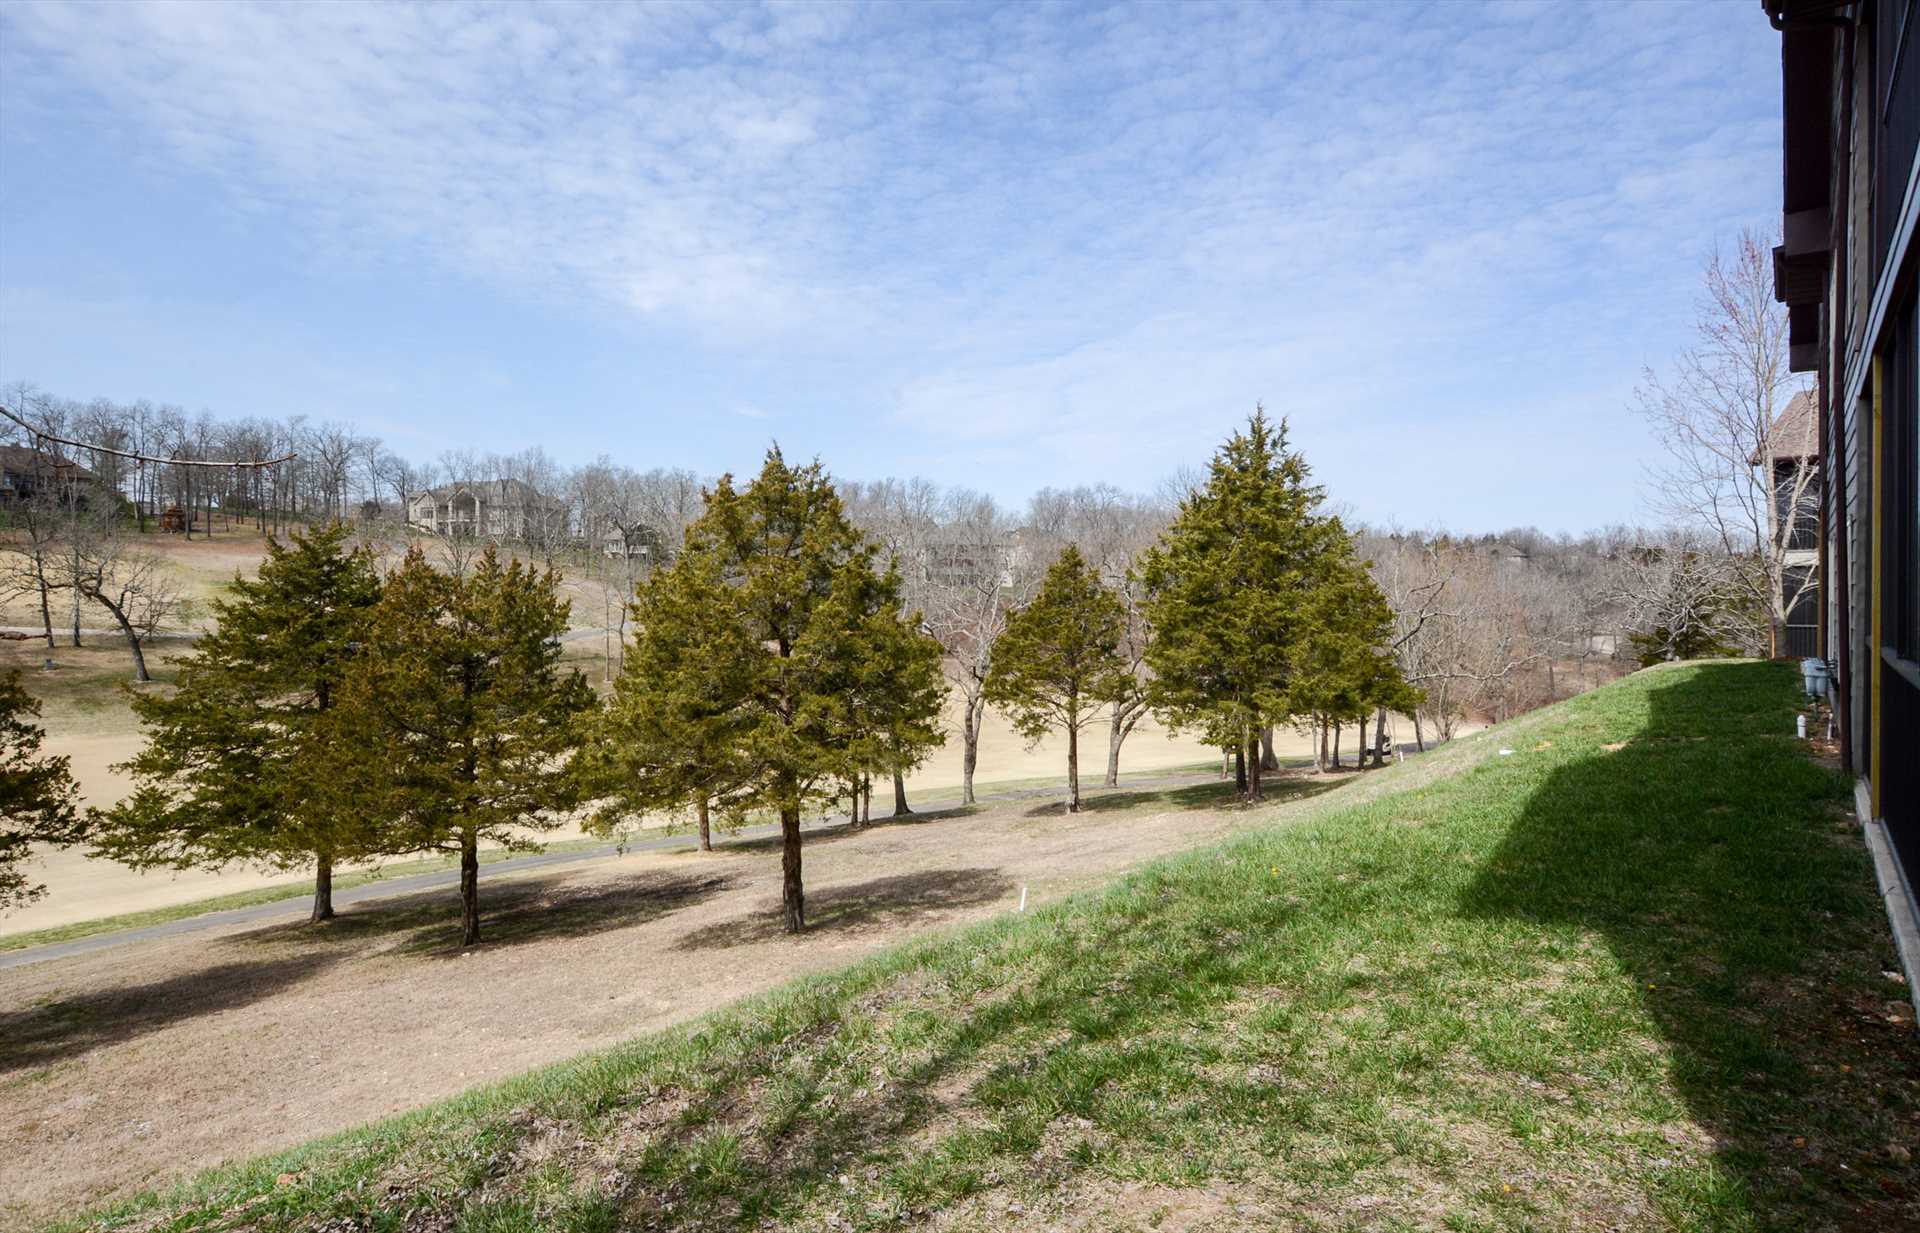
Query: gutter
[(1808, 13), (1902, 914)]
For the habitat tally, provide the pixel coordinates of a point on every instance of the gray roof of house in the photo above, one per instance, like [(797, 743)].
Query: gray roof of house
[(25, 460), (1795, 432), (500, 491)]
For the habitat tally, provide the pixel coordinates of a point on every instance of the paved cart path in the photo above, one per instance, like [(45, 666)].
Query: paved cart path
[(30, 633), (297, 905)]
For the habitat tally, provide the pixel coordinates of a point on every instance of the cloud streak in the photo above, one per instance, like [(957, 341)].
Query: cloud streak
[(1082, 228)]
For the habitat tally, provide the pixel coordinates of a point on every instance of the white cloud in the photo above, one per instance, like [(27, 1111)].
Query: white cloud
[(1076, 229)]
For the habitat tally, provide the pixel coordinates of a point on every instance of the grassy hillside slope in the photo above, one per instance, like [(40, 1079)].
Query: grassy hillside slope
[(1633, 976)]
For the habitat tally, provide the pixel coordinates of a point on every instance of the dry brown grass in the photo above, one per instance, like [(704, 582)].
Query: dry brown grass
[(262, 1038)]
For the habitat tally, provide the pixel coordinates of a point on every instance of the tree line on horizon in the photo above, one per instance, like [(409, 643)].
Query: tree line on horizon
[(336, 714), (1460, 630), (1464, 626), (1484, 640), (1712, 574)]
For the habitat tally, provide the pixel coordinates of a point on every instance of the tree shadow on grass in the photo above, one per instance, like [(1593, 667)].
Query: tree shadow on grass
[(1726, 877), (1715, 860), (882, 903), (88, 1021), (1715, 867), (1217, 795), (820, 833), (1063, 1016), (513, 912)]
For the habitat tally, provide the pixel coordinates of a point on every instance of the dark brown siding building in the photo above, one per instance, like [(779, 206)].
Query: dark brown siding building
[(26, 474), (1847, 268)]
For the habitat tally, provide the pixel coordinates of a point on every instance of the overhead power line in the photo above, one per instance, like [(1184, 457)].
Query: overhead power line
[(41, 434)]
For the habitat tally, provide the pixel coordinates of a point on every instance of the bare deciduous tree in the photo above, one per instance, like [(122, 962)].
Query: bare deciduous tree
[(975, 581), (130, 583), (1736, 470), (1682, 597)]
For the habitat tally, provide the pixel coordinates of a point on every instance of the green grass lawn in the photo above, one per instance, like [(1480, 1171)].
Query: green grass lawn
[(1633, 976)]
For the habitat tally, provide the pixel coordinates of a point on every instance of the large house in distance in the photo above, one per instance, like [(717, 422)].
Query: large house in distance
[(503, 509), (1848, 269), (26, 473), (959, 562)]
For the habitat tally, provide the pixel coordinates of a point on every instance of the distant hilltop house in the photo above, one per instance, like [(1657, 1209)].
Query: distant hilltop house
[(956, 562), (630, 542), (1508, 559), (488, 509), (1793, 443), (26, 473)]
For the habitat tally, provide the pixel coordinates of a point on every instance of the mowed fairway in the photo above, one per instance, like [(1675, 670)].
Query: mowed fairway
[(136, 1065)]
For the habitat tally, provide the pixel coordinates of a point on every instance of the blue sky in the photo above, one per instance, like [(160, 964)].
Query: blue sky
[(1002, 247)]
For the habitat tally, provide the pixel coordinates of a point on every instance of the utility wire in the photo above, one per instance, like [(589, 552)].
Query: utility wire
[(40, 434)]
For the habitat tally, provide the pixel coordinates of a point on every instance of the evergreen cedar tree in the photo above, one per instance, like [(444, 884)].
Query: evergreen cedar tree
[(236, 762), (456, 720), (1058, 661), (1699, 623), (771, 665), (37, 793), (1344, 670), (1664, 644), (669, 737), (1247, 584), (893, 690)]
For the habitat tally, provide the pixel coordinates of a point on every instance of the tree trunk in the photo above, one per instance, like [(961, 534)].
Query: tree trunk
[(1073, 768), (853, 803), (1240, 769), (1360, 763), (1336, 746), (469, 888), (322, 888), (1254, 793), (139, 659), (1269, 761), (1379, 736), (139, 656), (969, 751), (1320, 764), (46, 610), (1419, 741), (76, 600), (900, 809), (706, 829), (1114, 736), (793, 899)]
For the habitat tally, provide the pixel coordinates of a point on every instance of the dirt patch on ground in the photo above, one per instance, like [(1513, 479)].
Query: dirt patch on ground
[(134, 1067)]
